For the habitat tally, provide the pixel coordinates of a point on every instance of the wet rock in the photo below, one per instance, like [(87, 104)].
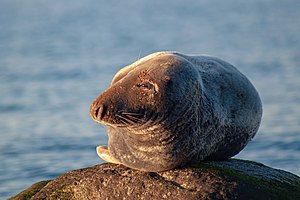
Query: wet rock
[(231, 179)]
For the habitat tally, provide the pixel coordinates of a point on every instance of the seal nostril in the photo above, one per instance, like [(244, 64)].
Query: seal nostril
[(99, 112)]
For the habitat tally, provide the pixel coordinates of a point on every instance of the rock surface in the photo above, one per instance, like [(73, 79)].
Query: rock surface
[(231, 179)]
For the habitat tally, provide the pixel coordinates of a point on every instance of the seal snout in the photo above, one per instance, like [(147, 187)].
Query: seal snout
[(97, 111)]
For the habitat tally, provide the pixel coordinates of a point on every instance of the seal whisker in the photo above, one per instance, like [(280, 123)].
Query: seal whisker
[(124, 119), (135, 115), (155, 124), (135, 118), (138, 58), (130, 113), (127, 119)]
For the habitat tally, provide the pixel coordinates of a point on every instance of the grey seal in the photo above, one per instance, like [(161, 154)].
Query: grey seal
[(168, 110)]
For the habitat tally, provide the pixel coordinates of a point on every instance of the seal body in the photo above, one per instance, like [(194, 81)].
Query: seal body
[(168, 109)]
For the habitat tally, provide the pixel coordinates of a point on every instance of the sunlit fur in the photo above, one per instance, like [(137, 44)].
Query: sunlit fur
[(168, 109)]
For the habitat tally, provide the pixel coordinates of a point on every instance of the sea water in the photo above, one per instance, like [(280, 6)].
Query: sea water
[(57, 56)]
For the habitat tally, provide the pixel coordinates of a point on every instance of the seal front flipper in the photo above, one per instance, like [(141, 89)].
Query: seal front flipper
[(103, 153)]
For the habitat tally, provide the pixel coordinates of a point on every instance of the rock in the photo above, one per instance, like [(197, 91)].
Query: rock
[(231, 179), (31, 191)]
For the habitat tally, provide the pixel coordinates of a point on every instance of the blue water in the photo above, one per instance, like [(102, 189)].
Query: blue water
[(57, 56)]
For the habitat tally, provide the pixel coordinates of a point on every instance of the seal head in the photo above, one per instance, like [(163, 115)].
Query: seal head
[(161, 114)]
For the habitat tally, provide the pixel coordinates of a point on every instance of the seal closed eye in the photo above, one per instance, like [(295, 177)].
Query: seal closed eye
[(168, 109)]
